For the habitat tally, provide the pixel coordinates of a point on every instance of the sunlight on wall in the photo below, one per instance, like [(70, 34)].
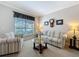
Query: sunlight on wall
[(74, 25), (73, 29)]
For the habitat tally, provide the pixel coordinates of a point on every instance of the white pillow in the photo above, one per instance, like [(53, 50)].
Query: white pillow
[(3, 40), (2, 36), (10, 35)]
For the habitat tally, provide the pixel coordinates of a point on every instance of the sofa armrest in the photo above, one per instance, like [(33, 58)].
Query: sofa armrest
[(62, 41), (64, 37)]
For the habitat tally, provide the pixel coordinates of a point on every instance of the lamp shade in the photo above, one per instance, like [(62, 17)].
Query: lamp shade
[(73, 28), (39, 27)]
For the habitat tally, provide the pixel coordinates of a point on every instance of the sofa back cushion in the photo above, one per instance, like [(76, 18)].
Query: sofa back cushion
[(49, 33), (10, 35), (46, 33), (2, 35), (58, 34), (53, 33)]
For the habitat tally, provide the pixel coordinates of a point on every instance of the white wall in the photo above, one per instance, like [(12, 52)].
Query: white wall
[(68, 14), (6, 19), (7, 22)]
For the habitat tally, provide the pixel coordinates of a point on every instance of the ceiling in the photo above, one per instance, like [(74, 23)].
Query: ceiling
[(40, 8)]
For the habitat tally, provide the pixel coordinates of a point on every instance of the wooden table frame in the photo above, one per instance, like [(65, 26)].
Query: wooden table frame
[(40, 47)]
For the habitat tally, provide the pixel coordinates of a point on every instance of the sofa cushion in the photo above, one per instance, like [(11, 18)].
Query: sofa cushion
[(54, 39), (2, 35), (44, 37), (46, 33), (59, 40), (50, 38), (49, 33), (53, 34), (12, 40), (56, 34), (3, 40), (10, 35), (61, 35), (7, 35)]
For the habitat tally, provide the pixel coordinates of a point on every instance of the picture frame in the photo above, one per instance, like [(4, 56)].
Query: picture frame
[(59, 22), (46, 23)]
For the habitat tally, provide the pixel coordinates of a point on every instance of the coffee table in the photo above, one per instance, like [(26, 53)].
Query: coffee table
[(40, 47)]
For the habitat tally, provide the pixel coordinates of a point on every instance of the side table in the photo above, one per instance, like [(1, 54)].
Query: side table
[(74, 44)]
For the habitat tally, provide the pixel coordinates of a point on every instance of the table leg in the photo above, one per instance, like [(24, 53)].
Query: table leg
[(40, 48), (33, 45), (45, 45)]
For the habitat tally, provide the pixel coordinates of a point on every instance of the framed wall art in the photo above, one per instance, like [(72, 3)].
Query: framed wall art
[(46, 23), (59, 22)]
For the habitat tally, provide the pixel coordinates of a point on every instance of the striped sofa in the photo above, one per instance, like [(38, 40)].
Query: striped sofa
[(55, 38), (9, 46)]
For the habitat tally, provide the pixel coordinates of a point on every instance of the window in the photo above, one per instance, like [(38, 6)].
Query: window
[(23, 26), (29, 26)]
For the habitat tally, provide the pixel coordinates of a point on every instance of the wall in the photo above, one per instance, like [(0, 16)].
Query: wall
[(68, 14), (6, 19)]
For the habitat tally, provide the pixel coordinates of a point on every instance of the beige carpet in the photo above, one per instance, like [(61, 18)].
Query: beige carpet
[(28, 51)]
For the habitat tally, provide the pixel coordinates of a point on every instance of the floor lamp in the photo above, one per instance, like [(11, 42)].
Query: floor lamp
[(74, 28)]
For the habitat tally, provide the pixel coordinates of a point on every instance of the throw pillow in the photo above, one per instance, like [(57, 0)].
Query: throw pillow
[(10, 35)]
